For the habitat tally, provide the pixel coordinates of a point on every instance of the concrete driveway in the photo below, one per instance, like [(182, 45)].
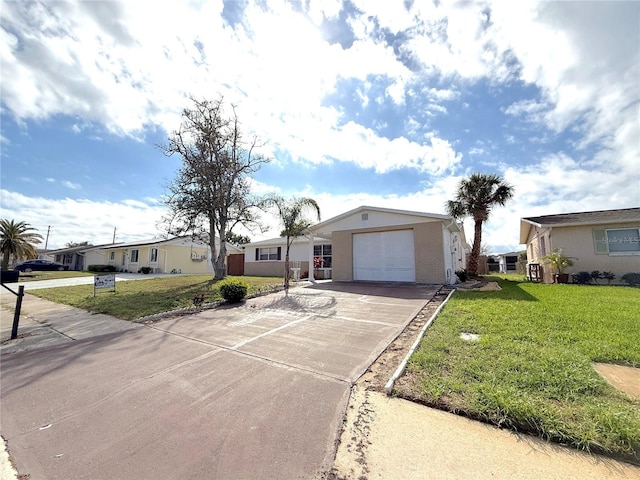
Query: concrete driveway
[(252, 391)]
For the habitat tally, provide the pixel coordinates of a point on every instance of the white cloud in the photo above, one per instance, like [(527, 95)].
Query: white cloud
[(76, 220), (71, 185)]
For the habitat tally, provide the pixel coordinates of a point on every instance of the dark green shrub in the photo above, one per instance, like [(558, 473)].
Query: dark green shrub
[(608, 276), (595, 275), (631, 278), (232, 289), (145, 270), (101, 268), (462, 275), (581, 277)]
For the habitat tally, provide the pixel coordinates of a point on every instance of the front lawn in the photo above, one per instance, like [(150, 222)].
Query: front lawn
[(139, 298), (531, 367)]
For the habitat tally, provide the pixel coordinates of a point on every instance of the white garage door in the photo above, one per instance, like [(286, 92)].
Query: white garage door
[(384, 256)]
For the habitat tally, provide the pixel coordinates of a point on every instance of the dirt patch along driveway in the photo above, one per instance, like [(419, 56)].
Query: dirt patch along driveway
[(256, 391)]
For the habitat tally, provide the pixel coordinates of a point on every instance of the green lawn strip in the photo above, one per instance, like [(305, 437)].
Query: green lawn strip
[(531, 369), (35, 276), (139, 298)]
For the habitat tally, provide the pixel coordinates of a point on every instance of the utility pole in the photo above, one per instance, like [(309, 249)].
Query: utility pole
[(46, 243)]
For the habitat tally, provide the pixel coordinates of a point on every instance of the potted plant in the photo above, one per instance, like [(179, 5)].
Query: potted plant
[(558, 263)]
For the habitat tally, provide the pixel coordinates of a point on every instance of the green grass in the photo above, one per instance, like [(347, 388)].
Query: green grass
[(139, 298), (531, 369), (35, 276)]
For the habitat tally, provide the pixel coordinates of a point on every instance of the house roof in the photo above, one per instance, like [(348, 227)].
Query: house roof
[(598, 217), (319, 226)]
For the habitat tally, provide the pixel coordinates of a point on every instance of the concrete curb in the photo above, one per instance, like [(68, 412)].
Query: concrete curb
[(388, 388)]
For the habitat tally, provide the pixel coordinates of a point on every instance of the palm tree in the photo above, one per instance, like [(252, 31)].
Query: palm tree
[(292, 216), (476, 196), (17, 239)]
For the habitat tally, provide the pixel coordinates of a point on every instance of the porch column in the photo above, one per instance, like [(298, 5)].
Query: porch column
[(311, 275)]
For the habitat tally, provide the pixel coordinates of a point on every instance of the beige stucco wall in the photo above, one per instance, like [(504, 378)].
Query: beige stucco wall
[(428, 254), (179, 259), (578, 242)]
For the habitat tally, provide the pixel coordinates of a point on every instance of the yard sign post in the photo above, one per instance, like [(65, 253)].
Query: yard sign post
[(104, 281), (16, 313)]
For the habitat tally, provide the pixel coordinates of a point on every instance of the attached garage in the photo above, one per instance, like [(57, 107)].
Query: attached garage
[(386, 245), (384, 256)]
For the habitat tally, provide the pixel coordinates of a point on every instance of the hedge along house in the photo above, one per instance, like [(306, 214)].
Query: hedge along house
[(266, 257), (606, 240), (387, 245), (175, 255)]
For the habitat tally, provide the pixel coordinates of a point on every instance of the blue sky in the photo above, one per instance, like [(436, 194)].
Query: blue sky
[(384, 103)]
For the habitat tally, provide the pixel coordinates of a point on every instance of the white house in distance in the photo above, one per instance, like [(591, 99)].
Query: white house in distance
[(371, 244)]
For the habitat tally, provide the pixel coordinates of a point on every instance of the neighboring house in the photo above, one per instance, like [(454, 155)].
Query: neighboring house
[(266, 257), (606, 240), (372, 244), (73, 257), (44, 255), (175, 255), (508, 262)]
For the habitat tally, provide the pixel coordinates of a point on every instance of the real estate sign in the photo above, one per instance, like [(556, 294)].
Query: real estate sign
[(101, 282)]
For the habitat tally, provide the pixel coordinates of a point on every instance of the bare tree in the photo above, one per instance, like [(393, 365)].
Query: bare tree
[(211, 192)]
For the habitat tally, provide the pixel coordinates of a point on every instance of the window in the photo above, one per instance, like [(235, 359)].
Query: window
[(617, 241), (323, 252), (268, 253), (153, 255), (134, 256), (112, 256)]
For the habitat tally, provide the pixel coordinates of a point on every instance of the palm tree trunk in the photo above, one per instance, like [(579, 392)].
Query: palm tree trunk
[(5, 260), (286, 268), (472, 268)]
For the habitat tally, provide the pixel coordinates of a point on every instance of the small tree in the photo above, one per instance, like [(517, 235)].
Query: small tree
[(558, 261), (211, 192), (476, 196), (292, 216), (17, 239)]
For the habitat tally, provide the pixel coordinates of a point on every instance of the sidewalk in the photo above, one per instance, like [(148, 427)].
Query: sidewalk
[(44, 323)]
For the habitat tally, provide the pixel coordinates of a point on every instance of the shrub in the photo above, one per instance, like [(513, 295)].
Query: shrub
[(581, 277), (145, 270), (608, 276), (631, 278), (595, 275), (462, 275), (101, 268), (232, 289)]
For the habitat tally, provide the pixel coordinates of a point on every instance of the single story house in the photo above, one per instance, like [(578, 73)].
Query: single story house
[(174, 255), (73, 257), (605, 240), (508, 262), (371, 244), (265, 258)]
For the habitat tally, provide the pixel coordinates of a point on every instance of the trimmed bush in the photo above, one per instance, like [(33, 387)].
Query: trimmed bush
[(608, 276), (232, 289), (631, 278), (581, 277), (145, 270), (101, 268)]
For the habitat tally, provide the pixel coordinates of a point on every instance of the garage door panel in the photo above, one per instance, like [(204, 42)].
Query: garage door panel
[(384, 256)]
